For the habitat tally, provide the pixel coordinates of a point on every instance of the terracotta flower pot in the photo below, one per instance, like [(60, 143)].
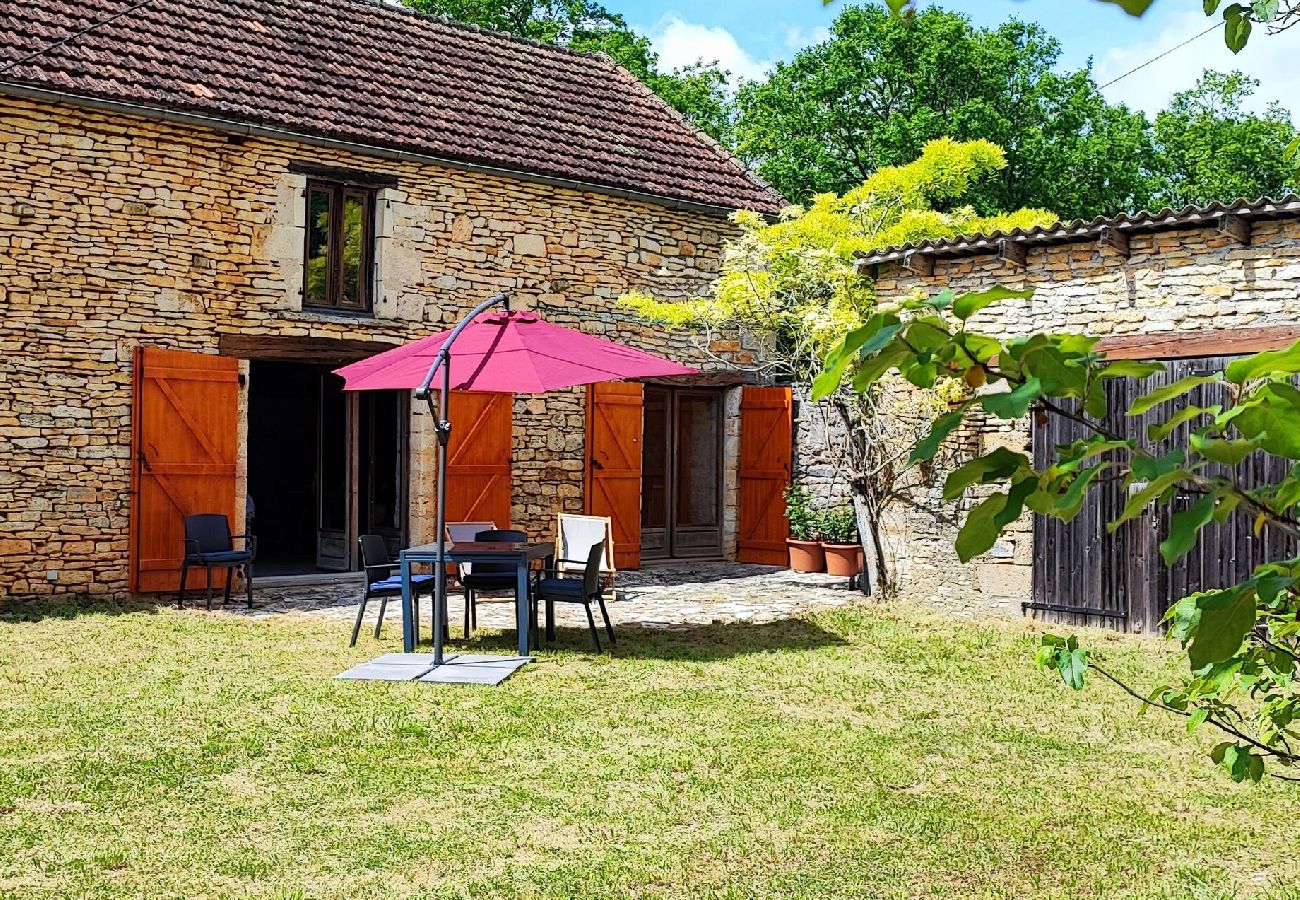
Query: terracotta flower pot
[(805, 556), (843, 559)]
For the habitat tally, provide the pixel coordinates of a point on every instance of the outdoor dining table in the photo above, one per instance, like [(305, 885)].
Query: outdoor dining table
[(521, 555)]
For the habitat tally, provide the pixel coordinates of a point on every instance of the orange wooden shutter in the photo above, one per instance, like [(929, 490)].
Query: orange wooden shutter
[(766, 423), (614, 422), (478, 458), (184, 431)]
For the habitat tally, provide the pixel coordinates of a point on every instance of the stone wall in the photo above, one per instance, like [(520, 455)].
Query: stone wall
[(1190, 280), (118, 231)]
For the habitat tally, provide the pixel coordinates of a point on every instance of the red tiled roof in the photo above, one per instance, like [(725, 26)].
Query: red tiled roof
[(380, 75)]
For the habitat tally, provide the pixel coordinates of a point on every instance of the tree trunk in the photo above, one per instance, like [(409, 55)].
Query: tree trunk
[(875, 568)]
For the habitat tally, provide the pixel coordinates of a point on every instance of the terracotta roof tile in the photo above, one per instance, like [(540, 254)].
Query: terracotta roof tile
[(381, 75)]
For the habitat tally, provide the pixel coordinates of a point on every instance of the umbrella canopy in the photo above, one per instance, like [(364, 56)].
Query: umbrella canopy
[(510, 353)]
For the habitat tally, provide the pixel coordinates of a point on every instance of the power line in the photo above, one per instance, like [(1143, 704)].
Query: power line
[(1195, 37), (72, 37)]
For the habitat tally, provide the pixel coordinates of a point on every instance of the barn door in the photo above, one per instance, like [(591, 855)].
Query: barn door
[(614, 423), (766, 423), (478, 458), (185, 417), (1084, 574)]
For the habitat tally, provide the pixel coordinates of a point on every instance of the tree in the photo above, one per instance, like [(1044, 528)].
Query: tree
[(881, 86), (794, 280), (1242, 641), (697, 91), (1208, 148)]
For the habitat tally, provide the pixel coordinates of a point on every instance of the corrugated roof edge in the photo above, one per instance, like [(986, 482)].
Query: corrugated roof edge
[(727, 156), (1078, 230)]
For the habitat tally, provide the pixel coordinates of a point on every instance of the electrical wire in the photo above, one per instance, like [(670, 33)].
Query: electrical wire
[(23, 60), (1195, 37)]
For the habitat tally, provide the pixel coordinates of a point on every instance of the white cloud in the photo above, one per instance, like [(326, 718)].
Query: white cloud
[(681, 43), (797, 37), (1270, 58)]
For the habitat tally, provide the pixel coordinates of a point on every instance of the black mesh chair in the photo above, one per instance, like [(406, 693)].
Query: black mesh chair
[(210, 545), (489, 576), (382, 583), (554, 588)]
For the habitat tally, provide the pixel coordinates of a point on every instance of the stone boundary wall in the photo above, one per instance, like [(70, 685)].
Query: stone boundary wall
[(1190, 280), (118, 231)]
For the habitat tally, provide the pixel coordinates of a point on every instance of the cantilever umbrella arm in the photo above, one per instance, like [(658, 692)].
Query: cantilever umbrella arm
[(442, 428)]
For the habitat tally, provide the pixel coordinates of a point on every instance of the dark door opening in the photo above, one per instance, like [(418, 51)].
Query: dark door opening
[(323, 468), (681, 474)]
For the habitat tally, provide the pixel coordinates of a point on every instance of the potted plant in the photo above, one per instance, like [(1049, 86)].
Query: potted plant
[(840, 544), (805, 551)]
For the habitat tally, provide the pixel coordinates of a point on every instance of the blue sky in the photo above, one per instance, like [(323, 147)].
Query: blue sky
[(747, 36)]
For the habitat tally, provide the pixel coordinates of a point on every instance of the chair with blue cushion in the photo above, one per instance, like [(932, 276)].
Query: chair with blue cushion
[(210, 545), (382, 583), (555, 588), (488, 576)]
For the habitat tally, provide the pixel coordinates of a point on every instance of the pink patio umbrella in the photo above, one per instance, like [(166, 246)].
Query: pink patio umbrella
[(506, 352)]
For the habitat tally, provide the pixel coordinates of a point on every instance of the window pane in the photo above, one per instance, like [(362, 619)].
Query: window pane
[(316, 288), (654, 460), (698, 438), (354, 237)]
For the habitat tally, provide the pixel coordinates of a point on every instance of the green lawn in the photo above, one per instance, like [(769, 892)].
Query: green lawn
[(876, 752)]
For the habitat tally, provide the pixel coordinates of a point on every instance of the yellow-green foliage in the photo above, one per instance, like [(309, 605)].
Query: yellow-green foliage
[(794, 277)]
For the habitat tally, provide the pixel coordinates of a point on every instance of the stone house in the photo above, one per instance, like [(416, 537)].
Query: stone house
[(205, 205), (1189, 287)]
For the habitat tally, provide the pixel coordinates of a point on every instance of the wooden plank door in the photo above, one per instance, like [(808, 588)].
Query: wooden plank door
[(613, 488), (185, 418), (766, 459), (478, 457)]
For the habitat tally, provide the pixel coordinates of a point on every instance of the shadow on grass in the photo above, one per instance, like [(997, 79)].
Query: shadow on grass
[(699, 643), (74, 606)]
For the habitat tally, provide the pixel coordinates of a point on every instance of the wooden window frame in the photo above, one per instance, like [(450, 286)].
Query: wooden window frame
[(339, 192)]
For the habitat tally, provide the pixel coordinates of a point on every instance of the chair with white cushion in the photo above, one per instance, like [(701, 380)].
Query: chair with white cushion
[(575, 536)]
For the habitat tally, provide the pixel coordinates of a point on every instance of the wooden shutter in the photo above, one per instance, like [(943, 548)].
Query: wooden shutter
[(766, 424), (614, 423), (184, 431), (478, 458)]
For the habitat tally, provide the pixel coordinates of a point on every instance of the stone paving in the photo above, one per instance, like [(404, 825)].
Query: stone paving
[(676, 596)]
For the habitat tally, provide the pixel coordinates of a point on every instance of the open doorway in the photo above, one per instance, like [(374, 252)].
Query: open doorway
[(681, 473), (323, 468)]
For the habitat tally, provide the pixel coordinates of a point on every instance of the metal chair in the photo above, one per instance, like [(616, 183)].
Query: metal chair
[(209, 544), (574, 534), (558, 589), (381, 582), (487, 576)]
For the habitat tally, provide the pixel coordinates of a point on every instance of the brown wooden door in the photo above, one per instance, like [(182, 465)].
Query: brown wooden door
[(478, 457), (766, 423), (614, 422), (184, 432)]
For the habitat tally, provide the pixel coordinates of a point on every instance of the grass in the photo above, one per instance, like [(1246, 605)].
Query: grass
[(874, 752)]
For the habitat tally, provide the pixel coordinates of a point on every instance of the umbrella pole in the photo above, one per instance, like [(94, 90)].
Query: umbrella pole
[(442, 428)]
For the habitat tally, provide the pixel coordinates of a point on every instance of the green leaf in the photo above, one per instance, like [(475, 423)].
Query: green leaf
[(1198, 719), (996, 466), (860, 342), (1226, 618), (979, 532), (1263, 365), (1225, 452), (1015, 504), (1271, 418), (1184, 526), (1133, 7), (1072, 664), (1264, 10), (1168, 392), (871, 369), (1140, 500), (1237, 27), (943, 426), (1130, 368), (1162, 430), (1211, 6), (967, 305), (1013, 404), (1145, 468), (1067, 506)]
